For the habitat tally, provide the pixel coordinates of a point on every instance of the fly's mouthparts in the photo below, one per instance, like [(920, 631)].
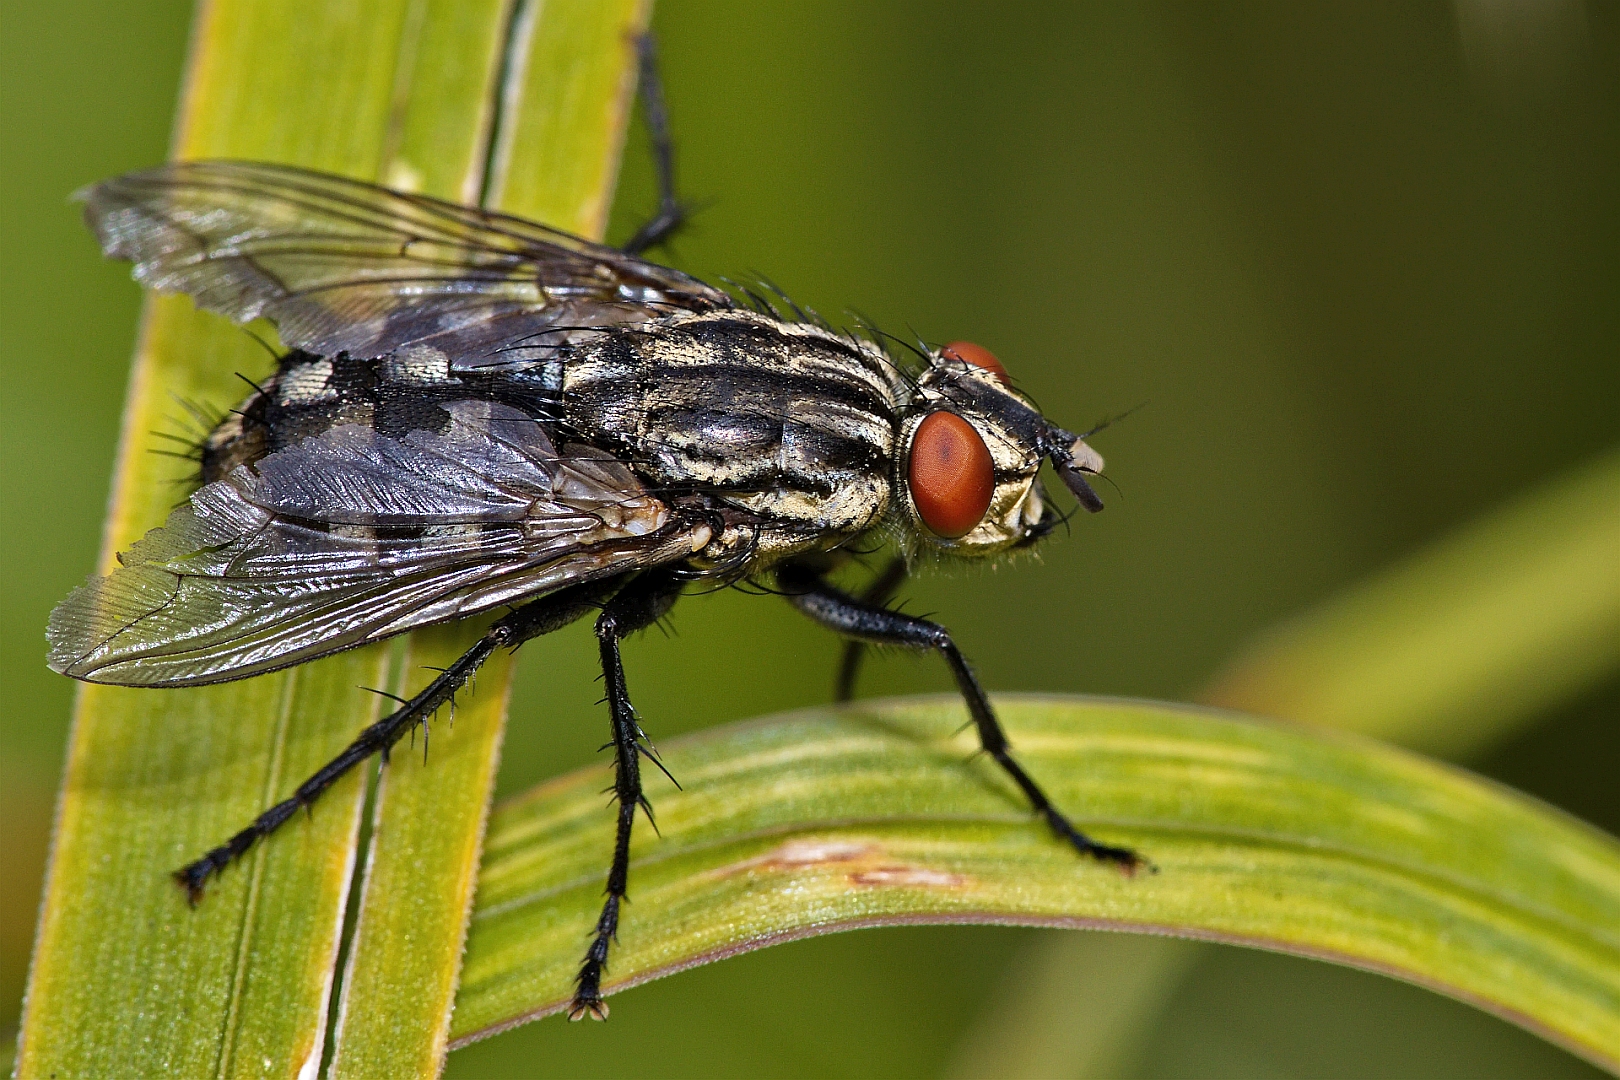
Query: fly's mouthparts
[(1082, 460), (1082, 490)]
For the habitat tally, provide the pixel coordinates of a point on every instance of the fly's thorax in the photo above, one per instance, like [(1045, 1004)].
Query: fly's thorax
[(789, 422)]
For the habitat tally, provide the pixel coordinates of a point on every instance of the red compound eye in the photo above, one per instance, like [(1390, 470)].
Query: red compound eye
[(977, 355), (951, 475)]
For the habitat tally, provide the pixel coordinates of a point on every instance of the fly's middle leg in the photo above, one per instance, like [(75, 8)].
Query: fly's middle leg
[(642, 603), (875, 624)]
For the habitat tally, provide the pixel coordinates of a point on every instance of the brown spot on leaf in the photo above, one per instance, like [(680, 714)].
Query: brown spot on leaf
[(864, 864), (908, 877), (801, 853)]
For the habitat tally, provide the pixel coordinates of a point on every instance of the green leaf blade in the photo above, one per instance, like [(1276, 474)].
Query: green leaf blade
[(1261, 834), (126, 975), (126, 979)]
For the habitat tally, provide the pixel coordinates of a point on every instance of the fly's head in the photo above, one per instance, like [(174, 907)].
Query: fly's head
[(972, 448)]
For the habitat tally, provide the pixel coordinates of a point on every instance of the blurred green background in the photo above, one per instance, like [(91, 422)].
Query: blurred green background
[(1358, 260)]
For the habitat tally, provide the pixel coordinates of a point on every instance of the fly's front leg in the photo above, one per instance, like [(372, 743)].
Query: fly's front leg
[(642, 603), (874, 624), (877, 594), (538, 617), (671, 213)]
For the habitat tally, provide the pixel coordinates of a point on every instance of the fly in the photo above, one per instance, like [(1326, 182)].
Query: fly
[(477, 411)]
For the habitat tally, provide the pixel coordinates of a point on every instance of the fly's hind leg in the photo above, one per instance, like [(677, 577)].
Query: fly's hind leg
[(671, 214), (641, 603), (540, 616), (875, 624)]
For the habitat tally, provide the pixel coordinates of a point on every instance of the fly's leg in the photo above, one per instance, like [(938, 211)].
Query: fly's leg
[(877, 594), (874, 624), (539, 617), (641, 604), (671, 213)]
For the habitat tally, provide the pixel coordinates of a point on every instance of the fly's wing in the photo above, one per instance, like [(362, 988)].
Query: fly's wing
[(339, 265), (351, 536)]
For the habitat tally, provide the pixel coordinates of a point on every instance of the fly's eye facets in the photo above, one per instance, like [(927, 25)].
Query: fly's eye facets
[(950, 475), (977, 355)]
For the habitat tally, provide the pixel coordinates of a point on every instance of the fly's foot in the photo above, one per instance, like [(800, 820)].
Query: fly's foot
[(193, 877), (588, 997), (583, 1006), (1128, 861), (588, 986)]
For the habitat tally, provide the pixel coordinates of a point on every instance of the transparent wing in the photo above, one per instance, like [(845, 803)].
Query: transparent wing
[(352, 536), (341, 265)]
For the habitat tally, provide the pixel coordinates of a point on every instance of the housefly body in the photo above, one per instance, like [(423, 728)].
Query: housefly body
[(479, 412)]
